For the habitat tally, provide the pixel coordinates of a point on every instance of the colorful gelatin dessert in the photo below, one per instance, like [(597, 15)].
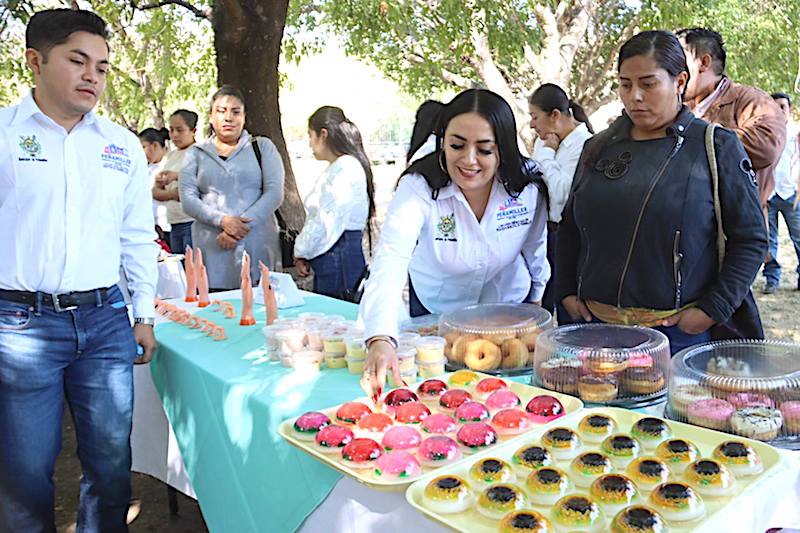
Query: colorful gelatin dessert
[(677, 501), (709, 478), (439, 423), (589, 466), (352, 412), (639, 519), (547, 485), (411, 413), (749, 399), (578, 513), (397, 465), (401, 438), (375, 423), (331, 439), (511, 422), (308, 424), (431, 389), (475, 436), (488, 471), (647, 472), (622, 449), (525, 521), (447, 495), (563, 443), (438, 451), (499, 499), (361, 453), (739, 457), (464, 378), (678, 454), (544, 408), (472, 412), (650, 432), (597, 428), (528, 458), (487, 386), (399, 397), (613, 492), (502, 399), (450, 400)]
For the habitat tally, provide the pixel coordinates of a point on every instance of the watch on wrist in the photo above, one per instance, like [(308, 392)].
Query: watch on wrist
[(145, 321)]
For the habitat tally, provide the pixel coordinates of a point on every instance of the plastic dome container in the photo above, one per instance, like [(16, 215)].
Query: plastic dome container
[(493, 338), (749, 388), (604, 364), (421, 325)]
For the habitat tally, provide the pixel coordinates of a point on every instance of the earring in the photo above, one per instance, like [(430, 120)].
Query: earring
[(442, 164)]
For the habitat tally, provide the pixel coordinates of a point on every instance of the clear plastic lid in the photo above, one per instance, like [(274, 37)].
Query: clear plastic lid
[(491, 319), (421, 325)]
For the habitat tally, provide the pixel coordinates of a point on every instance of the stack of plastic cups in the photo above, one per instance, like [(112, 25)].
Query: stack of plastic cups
[(271, 340), (291, 340), (333, 347), (406, 360), (430, 356), (356, 353)]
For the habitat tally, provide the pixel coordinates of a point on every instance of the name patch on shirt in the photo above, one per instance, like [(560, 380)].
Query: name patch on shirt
[(31, 148), (512, 214), (116, 158), (446, 228)]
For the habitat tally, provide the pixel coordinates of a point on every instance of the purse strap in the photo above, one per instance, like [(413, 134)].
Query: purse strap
[(257, 152), (711, 152)]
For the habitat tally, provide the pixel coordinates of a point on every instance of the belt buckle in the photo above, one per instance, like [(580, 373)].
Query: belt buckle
[(57, 304)]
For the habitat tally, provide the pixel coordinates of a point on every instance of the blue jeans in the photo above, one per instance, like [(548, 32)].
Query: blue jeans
[(85, 355), (791, 215), (180, 237), (339, 268)]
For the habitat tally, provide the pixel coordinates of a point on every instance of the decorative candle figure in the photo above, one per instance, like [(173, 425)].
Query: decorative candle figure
[(202, 279), (247, 293), (191, 277), (270, 302)]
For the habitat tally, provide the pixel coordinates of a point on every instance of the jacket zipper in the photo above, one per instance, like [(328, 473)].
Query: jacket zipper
[(659, 174), (677, 257), (585, 260)]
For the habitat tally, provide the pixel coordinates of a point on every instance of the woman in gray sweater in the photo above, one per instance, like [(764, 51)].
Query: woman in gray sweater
[(232, 200)]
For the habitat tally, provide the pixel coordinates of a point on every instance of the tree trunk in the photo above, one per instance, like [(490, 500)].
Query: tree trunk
[(247, 39)]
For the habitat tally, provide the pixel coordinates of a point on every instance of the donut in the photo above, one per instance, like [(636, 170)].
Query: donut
[(482, 355), (515, 354), (497, 338), (530, 340), (459, 349)]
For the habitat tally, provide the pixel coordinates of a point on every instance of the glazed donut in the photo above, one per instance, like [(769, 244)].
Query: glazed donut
[(498, 338), (452, 337), (482, 355), (459, 350), (530, 342), (515, 354)]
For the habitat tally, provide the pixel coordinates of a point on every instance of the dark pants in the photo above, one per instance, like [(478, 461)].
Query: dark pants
[(180, 237), (791, 216), (549, 298), (85, 355), (338, 269)]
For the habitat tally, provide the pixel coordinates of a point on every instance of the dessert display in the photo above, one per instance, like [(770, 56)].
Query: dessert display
[(448, 494), (589, 466), (401, 438), (361, 453), (647, 472), (710, 478), (739, 457), (678, 454), (578, 513), (525, 521), (438, 451), (544, 408), (639, 519), (562, 442), (650, 432), (547, 485), (597, 427), (308, 424), (529, 458), (622, 449), (748, 388), (397, 464), (499, 499), (411, 413), (604, 364), (488, 471), (511, 422), (331, 439), (677, 502), (439, 423), (613, 492), (493, 338), (475, 436), (472, 412)]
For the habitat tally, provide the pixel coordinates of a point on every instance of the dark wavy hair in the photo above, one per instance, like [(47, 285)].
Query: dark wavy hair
[(153, 135), (52, 27), (424, 125), (515, 171), (189, 117), (549, 97)]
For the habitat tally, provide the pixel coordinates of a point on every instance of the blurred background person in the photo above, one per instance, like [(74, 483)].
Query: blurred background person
[(423, 135), (154, 144)]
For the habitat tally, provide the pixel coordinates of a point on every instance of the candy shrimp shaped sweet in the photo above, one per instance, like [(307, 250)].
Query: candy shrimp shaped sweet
[(191, 278), (270, 302), (202, 279), (228, 310), (247, 318)]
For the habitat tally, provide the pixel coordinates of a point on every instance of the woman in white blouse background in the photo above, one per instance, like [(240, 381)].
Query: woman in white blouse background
[(339, 205), (467, 224), (562, 127)]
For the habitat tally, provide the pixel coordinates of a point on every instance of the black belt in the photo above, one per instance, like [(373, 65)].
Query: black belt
[(552, 227), (60, 302)]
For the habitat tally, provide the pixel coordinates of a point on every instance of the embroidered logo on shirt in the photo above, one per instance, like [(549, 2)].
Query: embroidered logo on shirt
[(31, 147), (512, 213), (116, 158), (446, 228)]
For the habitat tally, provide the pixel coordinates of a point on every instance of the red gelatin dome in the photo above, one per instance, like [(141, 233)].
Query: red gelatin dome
[(332, 437), (432, 388), (401, 438), (352, 412), (399, 397), (375, 422), (439, 423), (453, 398), (511, 421), (544, 408), (361, 451), (411, 413), (472, 412), (487, 386), (476, 435)]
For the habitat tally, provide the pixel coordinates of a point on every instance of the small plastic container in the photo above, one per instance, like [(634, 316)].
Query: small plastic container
[(405, 358), (334, 360), (314, 336), (409, 376), (354, 347), (307, 362), (408, 338), (286, 360), (355, 365), (333, 341), (431, 369), (311, 315), (430, 349), (291, 340), (270, 336)]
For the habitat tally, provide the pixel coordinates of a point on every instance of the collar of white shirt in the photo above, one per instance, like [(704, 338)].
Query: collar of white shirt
[(28, 108)]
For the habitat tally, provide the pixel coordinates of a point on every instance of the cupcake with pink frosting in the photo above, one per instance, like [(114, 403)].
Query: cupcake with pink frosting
[(712, 413)]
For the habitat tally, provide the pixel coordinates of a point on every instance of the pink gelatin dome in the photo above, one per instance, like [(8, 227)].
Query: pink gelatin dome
[(472, 412), (411, 413), (352, 412), (439, 423), (544, 408), (397, 465), (438, 451), (476, 435), (511, 422), (502, 399), (331, 439), (401, 438), (308, 424)]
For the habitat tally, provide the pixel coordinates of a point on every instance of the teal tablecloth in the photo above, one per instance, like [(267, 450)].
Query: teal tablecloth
[(225, 403)]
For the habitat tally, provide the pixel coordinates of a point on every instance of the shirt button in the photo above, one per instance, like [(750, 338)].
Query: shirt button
[(680, 128)]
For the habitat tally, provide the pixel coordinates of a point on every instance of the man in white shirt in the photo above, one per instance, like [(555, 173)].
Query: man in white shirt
[(784, 200), (75, 205)]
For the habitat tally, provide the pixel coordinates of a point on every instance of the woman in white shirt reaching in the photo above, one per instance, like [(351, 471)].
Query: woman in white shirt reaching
[(467, 224), (562, 127), (339, 206)]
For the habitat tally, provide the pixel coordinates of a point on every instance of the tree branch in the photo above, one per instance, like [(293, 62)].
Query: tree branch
[(196, 11)]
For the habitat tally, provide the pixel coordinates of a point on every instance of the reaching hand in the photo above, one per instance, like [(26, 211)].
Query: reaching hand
[(576, 308), (303, 267), (381, 359)]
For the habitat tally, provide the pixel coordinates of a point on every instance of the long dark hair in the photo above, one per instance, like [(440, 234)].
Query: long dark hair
[(189, 117), (424, 125), (515, 171), (225, 90), (549, 97), (344, 138), (152, 135)]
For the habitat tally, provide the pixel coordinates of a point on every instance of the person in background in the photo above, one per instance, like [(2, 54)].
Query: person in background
[(232, 198), (784, 200), (562, 127), (182, 130), (638, 240), (423, 137), (154, 144), (467, 225), (339, 205), (75, 203)]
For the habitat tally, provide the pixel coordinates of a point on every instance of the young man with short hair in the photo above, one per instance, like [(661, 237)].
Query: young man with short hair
[(74, 204)]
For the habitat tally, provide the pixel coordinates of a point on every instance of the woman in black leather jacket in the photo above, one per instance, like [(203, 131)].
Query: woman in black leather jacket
[(638, 241)]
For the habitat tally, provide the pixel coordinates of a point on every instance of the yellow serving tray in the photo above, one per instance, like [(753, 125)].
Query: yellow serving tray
[(366, 476), (705, 439)]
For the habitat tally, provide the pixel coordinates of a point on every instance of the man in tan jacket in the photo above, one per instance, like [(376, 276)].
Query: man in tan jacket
[(750, 112)]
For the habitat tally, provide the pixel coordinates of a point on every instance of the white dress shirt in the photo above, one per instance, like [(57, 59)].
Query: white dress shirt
[(338, 202), (74, 206), (453, 259), (558, 167), (786, 173)]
